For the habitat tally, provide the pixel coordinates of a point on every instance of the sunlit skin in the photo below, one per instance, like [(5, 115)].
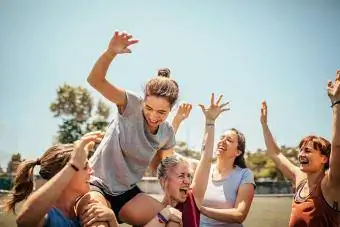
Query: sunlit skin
[(311, 160), (80, 180), (176, 184), (155, 110), (227, 145)]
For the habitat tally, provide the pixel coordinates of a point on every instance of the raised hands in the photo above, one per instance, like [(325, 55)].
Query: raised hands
[(334, 88), (263, 113), (120, 43), (183, 111), (82, 146), (214, 109)]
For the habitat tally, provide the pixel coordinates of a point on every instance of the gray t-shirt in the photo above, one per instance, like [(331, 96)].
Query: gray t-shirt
[(222, 194), (127, 148)]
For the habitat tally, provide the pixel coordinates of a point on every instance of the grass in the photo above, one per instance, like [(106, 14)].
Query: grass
[(264, 212)]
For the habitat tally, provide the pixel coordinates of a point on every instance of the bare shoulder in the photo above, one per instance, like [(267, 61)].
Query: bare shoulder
[(88, 198), (299, 177)]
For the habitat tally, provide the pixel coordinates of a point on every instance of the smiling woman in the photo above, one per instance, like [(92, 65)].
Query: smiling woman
[(231, 184), (137, 133), (160, 93), (317, 179)]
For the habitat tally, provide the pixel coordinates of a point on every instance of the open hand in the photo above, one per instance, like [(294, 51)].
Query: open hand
[(82, 146), (183, 111), (334, 88), (214, 109), (120, 43)]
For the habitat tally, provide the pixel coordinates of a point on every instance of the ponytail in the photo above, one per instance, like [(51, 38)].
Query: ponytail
[(23, 184)]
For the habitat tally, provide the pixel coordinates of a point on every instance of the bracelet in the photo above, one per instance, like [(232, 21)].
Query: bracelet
[(210, 124), (334, 103), (74, 167), (162, 219)]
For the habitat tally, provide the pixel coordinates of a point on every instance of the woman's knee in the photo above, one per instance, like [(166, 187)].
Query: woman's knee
[(134, 216)]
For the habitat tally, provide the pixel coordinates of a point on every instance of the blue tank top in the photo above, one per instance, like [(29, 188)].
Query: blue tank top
[(55, 218)]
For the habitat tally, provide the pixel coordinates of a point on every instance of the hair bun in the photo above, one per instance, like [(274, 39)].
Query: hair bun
[(164, 72)]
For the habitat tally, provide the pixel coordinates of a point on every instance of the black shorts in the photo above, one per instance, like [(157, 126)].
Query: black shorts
[(116, 201)]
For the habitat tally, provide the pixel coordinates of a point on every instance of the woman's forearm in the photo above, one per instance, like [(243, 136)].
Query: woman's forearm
[(231, 215), (272, 147), (99, 71), (40, 202)]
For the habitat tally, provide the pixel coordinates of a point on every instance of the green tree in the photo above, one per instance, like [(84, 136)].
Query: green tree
[(74, 106), (263, 167), (183, 149), (14, 163)]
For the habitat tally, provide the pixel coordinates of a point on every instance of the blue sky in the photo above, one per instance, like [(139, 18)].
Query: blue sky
[(281, 51)]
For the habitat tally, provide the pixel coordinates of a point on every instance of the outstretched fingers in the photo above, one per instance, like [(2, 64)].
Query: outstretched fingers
[(212, 99), (219, 100), (131, 42), (202, 107), (224, 104), (225, 109)]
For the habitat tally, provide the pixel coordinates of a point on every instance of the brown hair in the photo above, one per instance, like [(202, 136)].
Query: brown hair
[(52, 161), (241, 146), (163, 86), (320, 144)]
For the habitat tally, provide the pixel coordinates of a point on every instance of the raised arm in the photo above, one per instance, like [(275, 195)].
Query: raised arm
[(182, 113), (334, 167), (158, 157), (201, 176), (288, 169), (36, 207), (245, 195), (119, 44)]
